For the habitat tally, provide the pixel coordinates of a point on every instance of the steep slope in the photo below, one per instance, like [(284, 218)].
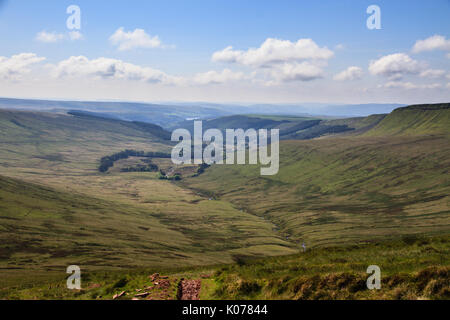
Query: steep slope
[(415, 120)]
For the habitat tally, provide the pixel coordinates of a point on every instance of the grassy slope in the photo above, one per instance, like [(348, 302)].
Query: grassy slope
[(415, 120), (345, 189), (106, 220), (411, 268)]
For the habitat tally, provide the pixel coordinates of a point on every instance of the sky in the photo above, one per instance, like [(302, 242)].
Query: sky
[(226, 51)]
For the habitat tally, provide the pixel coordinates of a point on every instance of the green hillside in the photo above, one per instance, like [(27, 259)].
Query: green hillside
[(291, 127), (45, 229), (342, 189), (56, 207), (415, 120)]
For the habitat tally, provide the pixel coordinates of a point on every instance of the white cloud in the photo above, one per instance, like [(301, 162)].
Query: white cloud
[(214, 77), (107, 68), (49, 37), (395, 66), (436, 42), (448, 85), (290, 72), (134, 39), (281, 60), (351, 73), (410, 86), (274, 51), (17, 65), (432, 73)]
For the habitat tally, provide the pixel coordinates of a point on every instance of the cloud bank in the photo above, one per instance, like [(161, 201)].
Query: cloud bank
[(106, 68), (16, 66)]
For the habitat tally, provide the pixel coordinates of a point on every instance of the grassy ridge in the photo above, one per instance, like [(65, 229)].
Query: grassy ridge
[(415, 120)]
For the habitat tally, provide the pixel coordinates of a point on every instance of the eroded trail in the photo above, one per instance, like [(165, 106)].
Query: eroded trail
[(189, 290)]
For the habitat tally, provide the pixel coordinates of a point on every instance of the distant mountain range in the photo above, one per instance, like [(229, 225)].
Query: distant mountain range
[(304, 109), (169, 114)]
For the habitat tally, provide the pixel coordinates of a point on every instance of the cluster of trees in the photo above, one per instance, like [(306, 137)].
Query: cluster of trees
[(141, 168), (108, 161)]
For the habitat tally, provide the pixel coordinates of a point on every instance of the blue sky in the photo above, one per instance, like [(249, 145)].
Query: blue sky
[(190, 32)]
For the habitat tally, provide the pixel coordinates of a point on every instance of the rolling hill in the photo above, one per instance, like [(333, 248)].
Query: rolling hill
[(57, 208), (351, 187)]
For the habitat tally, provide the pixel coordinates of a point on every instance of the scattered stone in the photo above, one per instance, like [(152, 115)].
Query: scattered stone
[(143, 295), (163, 284), (118, 295), (189, 290)]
